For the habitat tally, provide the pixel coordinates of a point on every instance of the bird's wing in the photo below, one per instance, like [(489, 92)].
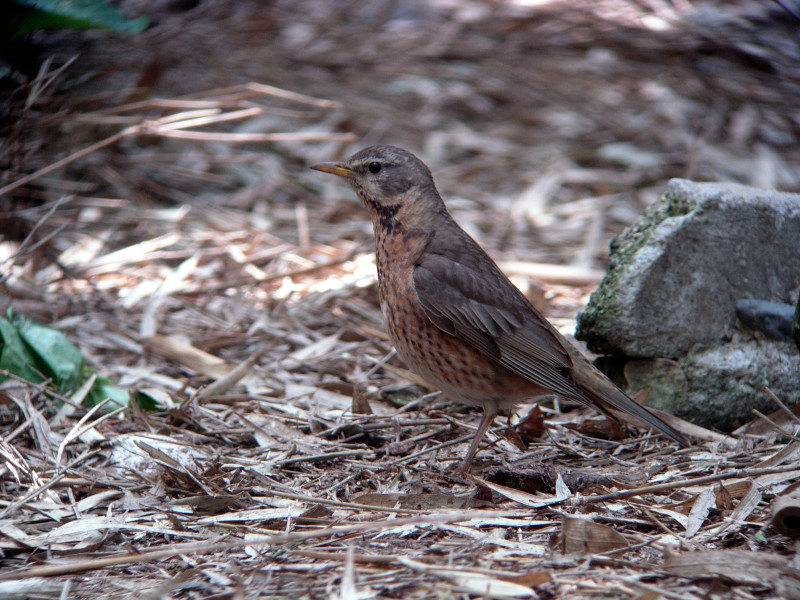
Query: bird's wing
[(467, 296), (478, 304)]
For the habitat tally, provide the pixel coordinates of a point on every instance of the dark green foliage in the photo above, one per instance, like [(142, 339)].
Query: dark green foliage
[(38, 353), (24, 16)]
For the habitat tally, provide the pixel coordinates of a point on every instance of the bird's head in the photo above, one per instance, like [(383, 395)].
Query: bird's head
[(391, 182)]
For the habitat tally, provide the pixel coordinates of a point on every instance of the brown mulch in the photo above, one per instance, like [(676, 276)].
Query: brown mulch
[(157, 208)]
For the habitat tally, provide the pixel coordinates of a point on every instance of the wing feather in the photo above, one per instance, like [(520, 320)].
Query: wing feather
[(494, 317), (468, 296)]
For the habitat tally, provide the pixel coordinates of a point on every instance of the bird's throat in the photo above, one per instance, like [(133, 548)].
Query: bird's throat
[(385, 216)]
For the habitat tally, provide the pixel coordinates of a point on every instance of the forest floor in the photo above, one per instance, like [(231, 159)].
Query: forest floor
[(183, 245)]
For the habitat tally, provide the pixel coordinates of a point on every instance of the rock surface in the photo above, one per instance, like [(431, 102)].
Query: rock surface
[(796, 325), (719, 387), (668, 302), (773, 319), (675, 275), (727, 382)]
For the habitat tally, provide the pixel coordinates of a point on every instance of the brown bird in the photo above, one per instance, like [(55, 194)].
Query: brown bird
[(453, 316)]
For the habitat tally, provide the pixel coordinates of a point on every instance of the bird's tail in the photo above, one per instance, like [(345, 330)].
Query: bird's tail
[(609, 398)]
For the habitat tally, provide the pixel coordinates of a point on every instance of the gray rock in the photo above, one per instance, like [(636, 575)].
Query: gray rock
[(726, 383), (667, 307), (773, 319), (663, 379), (675, 275), (719, 387)]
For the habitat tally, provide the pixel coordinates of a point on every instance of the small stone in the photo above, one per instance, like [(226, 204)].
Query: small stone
[(796, 325), (773, 319)]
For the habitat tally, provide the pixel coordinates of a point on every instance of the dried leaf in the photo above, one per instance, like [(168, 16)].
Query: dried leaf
[(415, 501), (471, 582), (582, 536), (739, 566), (533, 579), (530, 500), (532, 427), (361, 402), (700, 510), (187, 355)]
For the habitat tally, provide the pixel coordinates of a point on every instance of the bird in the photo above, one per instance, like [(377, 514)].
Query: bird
[(453, 316)]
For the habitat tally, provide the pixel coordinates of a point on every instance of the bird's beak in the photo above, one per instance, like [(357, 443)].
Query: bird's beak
[(336, 168)]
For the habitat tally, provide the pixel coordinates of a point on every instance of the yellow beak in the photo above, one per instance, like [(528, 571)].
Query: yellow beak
[(334, 168)]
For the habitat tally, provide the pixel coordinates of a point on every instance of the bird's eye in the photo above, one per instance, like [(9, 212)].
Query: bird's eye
[(374, 167)]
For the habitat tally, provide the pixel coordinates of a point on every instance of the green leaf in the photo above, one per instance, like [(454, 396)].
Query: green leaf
[(104, 388), (146, 402), (24, 16), (16, 356), (64, 361), (37, 352)]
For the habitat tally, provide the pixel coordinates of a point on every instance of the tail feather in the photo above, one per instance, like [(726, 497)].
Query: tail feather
[(620, 402), (607, 397)]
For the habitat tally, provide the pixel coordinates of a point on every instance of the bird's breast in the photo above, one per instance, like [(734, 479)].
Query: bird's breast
[(459, 370)]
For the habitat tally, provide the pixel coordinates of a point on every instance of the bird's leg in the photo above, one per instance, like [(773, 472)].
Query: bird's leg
[(489, 413)]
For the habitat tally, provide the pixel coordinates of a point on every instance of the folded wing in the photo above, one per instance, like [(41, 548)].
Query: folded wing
[(466, 295)]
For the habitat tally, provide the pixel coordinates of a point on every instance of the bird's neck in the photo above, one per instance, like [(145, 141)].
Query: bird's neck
[(401, 235), (414, 210), (384, 217)]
